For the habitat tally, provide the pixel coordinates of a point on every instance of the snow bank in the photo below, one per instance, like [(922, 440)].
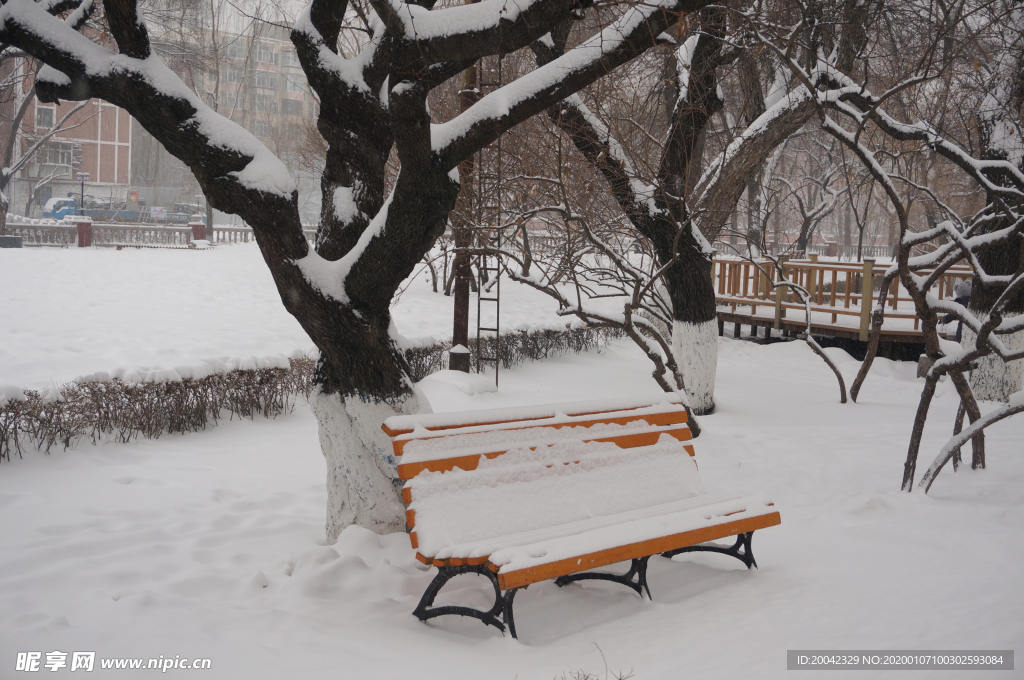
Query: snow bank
[(470, 383), (156, 547)]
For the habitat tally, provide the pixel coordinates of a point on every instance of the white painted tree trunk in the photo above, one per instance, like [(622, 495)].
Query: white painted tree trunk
[(695, 346), (362, 483), (995, 380)]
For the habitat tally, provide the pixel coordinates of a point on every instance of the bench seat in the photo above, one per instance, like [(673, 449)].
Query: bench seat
[(542, 554)]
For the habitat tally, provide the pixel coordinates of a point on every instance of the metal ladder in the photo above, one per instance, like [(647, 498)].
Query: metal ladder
[(489, 212), (489, 291)]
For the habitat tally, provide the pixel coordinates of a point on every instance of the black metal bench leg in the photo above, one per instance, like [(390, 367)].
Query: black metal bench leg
[(741, 549), (509, 620), (642, 577), (424, 611), (637, 568)]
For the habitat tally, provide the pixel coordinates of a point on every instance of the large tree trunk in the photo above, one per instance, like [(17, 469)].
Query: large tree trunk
[(694, 323), (350, 401), (994, 379), (1000, 111), (365, 377), (362, 484), (661, 216), (695, 346)]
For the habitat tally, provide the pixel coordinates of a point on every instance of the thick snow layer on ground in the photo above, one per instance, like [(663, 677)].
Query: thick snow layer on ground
[(212, 545), (71, 312)]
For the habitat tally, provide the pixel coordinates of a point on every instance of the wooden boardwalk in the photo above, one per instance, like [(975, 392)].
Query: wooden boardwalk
[(745, 297)]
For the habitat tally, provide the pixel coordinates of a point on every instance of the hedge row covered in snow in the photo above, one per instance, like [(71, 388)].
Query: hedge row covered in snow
[(515, 348), (126, 404)]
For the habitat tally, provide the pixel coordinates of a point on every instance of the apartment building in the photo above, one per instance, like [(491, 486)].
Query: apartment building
[(261, 85), (253, 78), (97, 139)]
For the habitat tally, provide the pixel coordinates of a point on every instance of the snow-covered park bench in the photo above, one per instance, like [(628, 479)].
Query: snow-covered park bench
[(523, 495)]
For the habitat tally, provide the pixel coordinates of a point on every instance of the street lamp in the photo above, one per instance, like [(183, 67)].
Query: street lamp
[(82, 177)]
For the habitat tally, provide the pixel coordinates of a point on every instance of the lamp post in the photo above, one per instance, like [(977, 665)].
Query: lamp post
[(82, 177)]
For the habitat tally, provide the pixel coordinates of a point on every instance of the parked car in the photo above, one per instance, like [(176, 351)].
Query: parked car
[(59, 208)]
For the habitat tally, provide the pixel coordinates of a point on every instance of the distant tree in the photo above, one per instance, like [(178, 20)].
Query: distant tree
[(684, 200), (967, 58)]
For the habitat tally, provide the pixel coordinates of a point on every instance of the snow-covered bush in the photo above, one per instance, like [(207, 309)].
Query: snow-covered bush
[(513, 350), (102, 407)]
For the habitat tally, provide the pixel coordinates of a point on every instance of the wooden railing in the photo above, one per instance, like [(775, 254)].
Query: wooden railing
[(848, 252), (835, 288), (66, 234), (230, 235)]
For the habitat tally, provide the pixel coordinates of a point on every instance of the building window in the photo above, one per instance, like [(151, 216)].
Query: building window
[(294, 83), (264, 103), (231, 75), (289, 58), (44, 117), (229, 101), (291, 107), (266, 79), (265, 54), (261, 128), (235, 50), (56, 153)]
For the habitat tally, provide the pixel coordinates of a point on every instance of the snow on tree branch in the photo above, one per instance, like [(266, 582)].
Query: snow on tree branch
[(624, 39)]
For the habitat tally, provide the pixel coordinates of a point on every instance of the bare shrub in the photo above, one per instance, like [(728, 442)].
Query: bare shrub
[(514, 348), (122, 411)]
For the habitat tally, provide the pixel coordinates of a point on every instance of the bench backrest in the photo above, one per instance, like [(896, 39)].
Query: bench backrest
[(444, 441)]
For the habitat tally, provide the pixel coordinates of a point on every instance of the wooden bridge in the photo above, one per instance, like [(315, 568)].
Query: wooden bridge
[(745, 297)]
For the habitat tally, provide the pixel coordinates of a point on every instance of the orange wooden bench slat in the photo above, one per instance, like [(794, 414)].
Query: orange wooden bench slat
[(654, 546), (666, 418), (624, 441), (471, 462), (440, 428), (572, 565)]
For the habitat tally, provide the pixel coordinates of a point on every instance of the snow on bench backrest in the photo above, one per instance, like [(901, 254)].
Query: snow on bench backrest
[(512, 497), (397, 425), (440, 442)]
